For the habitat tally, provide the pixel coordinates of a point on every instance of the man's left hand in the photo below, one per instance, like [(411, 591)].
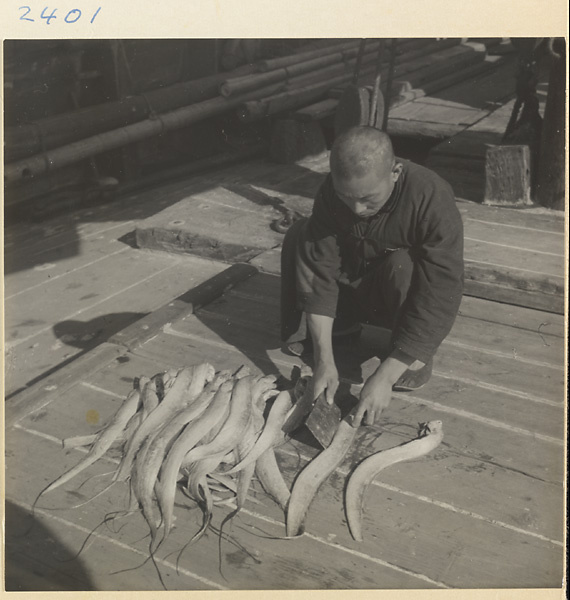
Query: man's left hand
[(374, 398)]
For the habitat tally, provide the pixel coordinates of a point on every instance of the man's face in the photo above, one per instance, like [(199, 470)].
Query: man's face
[(367, 194)]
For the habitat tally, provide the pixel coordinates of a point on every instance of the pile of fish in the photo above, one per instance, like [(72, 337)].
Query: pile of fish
[(198, 428), (210, 432)]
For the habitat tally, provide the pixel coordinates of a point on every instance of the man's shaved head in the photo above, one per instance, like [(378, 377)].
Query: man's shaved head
[(364, 170), (359, 151)]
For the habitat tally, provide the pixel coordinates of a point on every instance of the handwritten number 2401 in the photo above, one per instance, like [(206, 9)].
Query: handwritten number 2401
[(71, 17)]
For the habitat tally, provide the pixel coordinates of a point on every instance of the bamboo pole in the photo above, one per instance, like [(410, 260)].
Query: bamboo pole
[(237, 85), (292, 59), (95, 144), (51, 132), (30, 138), (291, 99), (404, 45), (330, 72), (57, 158)]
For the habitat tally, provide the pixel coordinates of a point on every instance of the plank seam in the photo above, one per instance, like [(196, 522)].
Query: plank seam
[(499, 388), (59, 442), (351, 551), (511, 268), (148, 327), (484, 420), (101, 390), (514, 247), (514, 226), (499, 354), (56, 277), (519, 327)]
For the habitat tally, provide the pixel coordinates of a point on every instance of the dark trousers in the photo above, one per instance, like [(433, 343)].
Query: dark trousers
[(376, 298)]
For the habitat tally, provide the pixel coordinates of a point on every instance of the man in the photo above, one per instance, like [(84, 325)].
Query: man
[(384, 245)]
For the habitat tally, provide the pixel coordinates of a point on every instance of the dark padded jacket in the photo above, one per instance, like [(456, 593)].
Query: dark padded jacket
[(421, 216)]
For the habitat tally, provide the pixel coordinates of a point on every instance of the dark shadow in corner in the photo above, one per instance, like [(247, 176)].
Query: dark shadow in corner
[(38, 561)]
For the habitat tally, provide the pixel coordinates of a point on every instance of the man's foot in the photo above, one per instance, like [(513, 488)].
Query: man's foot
[(305, 347), (413, 380)]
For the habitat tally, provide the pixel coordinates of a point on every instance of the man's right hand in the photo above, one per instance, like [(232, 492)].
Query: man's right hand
[(325, 379), (325, 375)]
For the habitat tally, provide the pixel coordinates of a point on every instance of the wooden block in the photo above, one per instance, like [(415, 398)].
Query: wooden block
[(549, 303), (320, 110), (230, 223), (507, 175), (421, 129)]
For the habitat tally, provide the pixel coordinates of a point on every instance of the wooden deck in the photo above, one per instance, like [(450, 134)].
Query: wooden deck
[(485, 510)]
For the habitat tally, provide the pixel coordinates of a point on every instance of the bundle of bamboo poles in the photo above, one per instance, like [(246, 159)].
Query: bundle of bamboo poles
[(255, 91), (28, 139)]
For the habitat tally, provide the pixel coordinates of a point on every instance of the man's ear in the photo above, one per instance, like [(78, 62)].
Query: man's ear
[(397, 171)]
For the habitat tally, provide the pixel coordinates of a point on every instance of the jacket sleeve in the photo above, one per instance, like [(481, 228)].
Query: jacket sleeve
[(318, 258), (437, 282)]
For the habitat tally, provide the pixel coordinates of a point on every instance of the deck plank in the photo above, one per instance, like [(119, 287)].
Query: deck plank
[(483, 358), (505, 235), (478, 308), (442, 111), (49, 266), (77, 295), (527, 261), (411, 533), (71, 334)]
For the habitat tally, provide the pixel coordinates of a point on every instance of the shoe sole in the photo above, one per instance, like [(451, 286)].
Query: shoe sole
[(407, 389)]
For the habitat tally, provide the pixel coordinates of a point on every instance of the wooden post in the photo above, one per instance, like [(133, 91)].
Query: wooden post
[(507, 175), (551, 175)]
